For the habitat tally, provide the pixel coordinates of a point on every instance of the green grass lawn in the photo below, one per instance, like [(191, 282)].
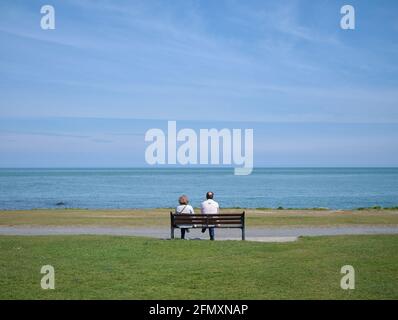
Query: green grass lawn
[(103, 267), (160, 217)]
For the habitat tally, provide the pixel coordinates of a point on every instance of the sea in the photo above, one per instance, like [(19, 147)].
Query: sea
[(333, 188)]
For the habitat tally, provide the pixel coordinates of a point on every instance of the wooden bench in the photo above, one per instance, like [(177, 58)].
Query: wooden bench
[(193, 221)]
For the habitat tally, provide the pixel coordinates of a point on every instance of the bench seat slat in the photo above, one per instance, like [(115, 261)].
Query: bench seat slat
[(229, 226), (208, 222), (208, 215), (206, 219)]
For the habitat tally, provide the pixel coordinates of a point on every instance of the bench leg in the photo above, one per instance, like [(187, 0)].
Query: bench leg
[(172, 233), (243, 234)]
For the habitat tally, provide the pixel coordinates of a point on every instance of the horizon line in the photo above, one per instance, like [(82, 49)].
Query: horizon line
[(200, 167)]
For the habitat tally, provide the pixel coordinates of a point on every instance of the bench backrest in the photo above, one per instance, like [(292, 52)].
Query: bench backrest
[(226, 220)]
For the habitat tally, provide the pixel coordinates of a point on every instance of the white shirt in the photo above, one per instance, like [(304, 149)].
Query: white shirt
[(186, 209), (209, 207)]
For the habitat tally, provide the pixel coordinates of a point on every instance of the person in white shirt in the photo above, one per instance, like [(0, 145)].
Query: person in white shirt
[(209, 206), (184, 208)]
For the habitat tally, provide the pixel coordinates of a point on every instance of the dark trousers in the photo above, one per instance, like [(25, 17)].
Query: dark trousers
[(211, 232), (183, 230)]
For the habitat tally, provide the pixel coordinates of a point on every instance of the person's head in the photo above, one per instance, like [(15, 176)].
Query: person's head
[(209, 195), (183, 200)]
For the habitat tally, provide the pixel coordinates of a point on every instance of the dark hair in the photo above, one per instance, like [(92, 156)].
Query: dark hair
[(209, 195)]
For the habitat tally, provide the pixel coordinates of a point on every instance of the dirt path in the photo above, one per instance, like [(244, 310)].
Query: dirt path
[(252, 234)]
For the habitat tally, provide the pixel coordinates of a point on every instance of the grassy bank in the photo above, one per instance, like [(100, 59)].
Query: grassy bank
[(100, 267), (160, 217)]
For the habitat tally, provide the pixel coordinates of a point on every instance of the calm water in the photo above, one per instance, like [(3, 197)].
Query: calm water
[(149, 188)]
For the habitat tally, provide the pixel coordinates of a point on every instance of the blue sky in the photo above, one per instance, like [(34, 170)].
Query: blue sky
[(85, 93)]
